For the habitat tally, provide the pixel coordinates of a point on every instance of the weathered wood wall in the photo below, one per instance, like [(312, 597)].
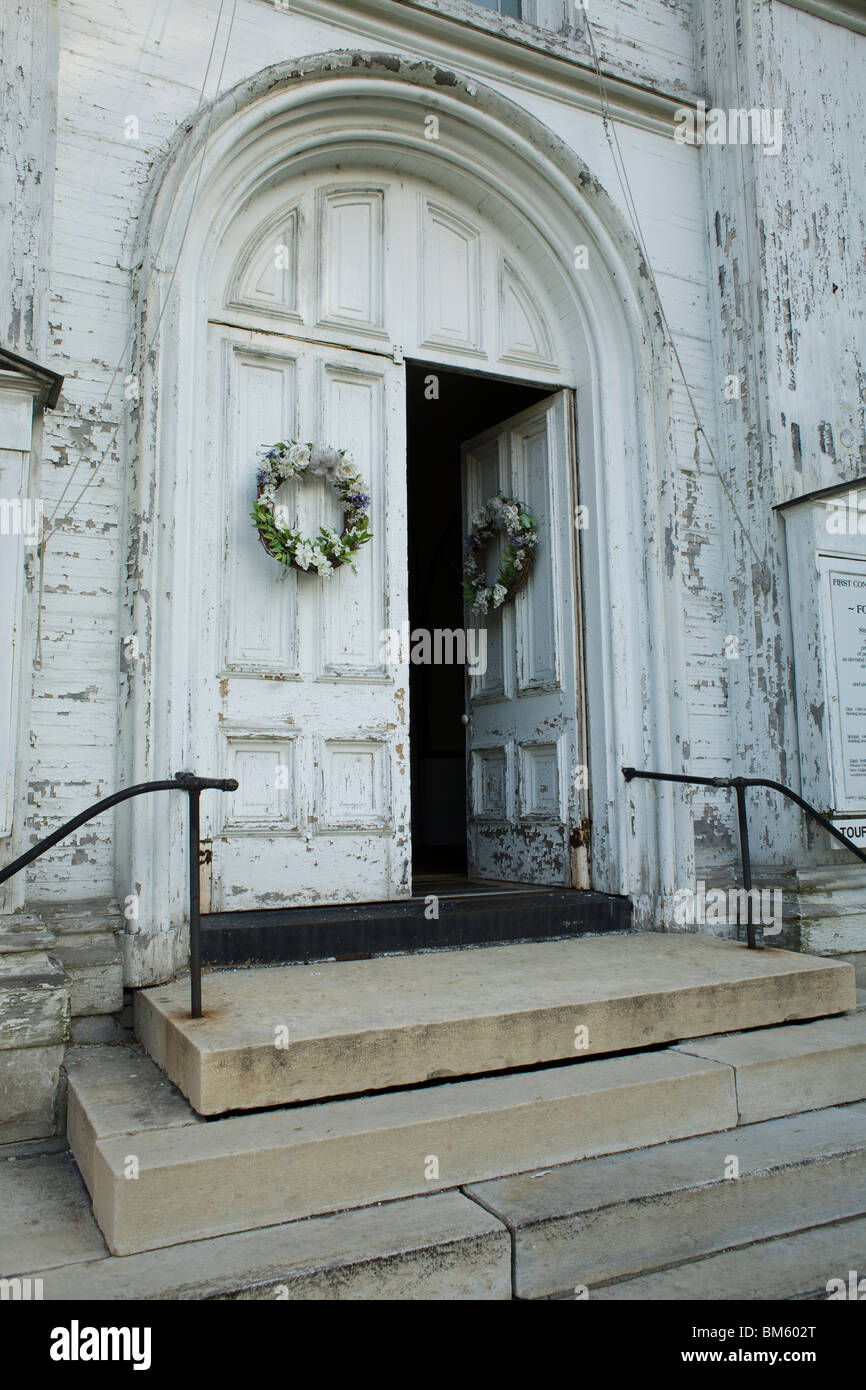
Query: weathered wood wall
[(753, 257)]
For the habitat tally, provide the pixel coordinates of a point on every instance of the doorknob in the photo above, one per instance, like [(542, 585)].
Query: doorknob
[(464, 719)]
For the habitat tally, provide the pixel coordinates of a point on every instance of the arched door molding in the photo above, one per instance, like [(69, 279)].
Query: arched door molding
[(296, 117)]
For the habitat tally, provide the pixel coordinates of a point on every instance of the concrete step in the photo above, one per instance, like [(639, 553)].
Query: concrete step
[(585, 1224), (34, 1024), (159, 1175), (821, 1263), (431, 1248), (276, 1036), (783, 1071), (441, 1246)]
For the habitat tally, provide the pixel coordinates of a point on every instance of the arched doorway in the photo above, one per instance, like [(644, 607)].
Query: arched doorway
[(334, 167), (326, 292)]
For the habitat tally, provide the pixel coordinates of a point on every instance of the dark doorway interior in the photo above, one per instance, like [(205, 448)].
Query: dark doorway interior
[(444, 408)]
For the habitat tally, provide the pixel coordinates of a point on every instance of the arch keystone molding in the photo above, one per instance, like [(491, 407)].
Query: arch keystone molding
[(367, 110)]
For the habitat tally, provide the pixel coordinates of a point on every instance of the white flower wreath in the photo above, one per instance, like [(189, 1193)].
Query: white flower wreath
[(518, 554), (329, 549)]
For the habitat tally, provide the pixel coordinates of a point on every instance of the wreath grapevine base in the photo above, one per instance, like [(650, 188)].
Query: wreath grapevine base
[(328, 550), (500, 514)]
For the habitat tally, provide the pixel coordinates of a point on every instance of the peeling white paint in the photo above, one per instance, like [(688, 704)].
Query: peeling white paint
[(759, 265)]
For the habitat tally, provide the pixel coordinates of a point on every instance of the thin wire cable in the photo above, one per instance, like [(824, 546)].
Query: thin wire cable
[(167, 295), (47, 531), (152, 339), (631, 208)]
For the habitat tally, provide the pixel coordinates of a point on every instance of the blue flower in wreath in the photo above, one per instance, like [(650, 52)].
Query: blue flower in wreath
[(504, 515), (328, 550)]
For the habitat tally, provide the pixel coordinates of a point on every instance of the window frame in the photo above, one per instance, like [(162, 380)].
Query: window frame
[(550, 17), (497, 7)]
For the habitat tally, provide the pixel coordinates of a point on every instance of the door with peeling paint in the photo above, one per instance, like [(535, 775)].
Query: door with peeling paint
[(295, 698), (526, 782)]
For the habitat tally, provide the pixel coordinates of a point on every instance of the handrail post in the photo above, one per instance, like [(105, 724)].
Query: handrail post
[(194, 786), (740, 788), (183, 781), (739, 785), (194, 791)]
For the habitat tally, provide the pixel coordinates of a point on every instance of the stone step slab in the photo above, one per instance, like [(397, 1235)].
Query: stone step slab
[(29, 1081), (813, 1264), (34, 1024), (588, 1223), (782, 1071), (276, 1036), (117, 1091), (34, 998), (438, 1247), (45, 1215), (155, 1184)]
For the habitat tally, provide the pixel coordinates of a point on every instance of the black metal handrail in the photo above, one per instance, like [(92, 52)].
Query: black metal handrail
[(739, 785), (182, 781)]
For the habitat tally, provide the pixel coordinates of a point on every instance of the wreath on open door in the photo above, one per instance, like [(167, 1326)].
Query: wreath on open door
[(280, 463), (500, 514)]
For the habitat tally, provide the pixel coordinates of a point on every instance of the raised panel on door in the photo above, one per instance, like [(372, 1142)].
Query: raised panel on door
[(262, 408), (266, 276), (355, 406), (451, 280), (524, 734), (298, 704), (351, 223)]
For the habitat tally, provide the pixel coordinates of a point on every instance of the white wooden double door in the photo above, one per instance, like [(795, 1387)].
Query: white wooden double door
[(294, 690)]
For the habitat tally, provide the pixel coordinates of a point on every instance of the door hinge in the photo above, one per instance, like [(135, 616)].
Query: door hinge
[(398, 354), (205, 874), (580, 835)]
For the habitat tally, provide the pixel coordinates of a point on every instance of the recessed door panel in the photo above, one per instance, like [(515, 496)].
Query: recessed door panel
[(524, 786), (294, 698)]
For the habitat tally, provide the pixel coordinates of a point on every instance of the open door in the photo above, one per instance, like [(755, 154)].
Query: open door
[(526, 782), (298, 697)]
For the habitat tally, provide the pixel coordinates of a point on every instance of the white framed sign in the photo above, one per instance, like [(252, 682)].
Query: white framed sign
[(854, 829), (843, 612)]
